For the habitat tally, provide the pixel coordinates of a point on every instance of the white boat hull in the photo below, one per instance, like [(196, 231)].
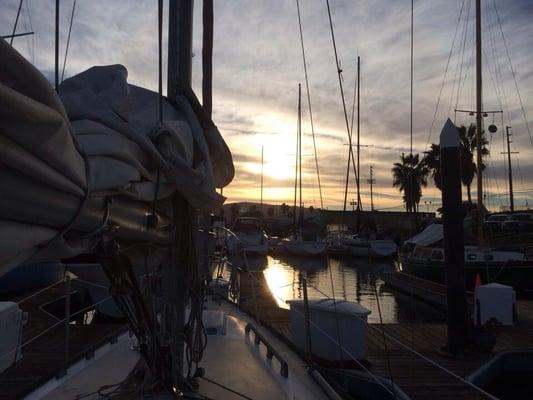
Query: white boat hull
[(303, 248), (373, 248)]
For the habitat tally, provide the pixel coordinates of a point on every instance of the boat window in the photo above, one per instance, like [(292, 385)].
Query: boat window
[(417, 252), (437, 255)]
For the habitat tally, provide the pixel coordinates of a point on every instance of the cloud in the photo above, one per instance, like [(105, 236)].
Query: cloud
[(258, 65)]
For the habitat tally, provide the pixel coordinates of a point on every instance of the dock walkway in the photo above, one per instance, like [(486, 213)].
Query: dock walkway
[(416, 376)]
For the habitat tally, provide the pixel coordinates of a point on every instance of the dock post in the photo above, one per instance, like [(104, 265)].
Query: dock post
[(308, 349), (450, 159)]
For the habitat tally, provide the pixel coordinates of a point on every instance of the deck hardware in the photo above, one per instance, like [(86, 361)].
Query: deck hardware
[(271, 352)]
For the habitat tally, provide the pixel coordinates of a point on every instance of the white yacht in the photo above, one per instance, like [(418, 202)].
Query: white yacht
[(248, 236)]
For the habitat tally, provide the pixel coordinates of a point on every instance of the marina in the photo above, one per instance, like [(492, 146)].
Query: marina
[(380, 248)]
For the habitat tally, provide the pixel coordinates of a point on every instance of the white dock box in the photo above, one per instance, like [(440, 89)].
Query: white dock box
[(495, 301), (11, 321), (352, 322)]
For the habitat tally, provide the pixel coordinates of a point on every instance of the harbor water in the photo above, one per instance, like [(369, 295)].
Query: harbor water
[(355, 279)]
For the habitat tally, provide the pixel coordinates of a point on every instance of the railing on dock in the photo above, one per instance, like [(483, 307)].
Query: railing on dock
[(271, 351)]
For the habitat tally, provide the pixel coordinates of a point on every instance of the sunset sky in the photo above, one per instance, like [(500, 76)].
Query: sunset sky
[(258, 65)]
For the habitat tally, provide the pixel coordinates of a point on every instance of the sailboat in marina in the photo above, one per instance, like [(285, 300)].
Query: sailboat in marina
[(356, 244), (302, 241), (423, 255)]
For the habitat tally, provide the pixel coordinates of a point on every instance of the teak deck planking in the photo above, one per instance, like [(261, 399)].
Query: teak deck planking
[(44, 358), (417, 377)]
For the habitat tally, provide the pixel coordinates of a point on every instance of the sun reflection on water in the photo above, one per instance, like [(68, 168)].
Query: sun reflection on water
[(356, 280)]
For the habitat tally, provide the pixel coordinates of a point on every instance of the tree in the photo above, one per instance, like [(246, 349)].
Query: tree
[(409, 176), (467, 138), (468, 159), (432, 161)]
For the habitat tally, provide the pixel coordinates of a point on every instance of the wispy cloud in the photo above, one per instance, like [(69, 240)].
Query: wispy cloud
[(257, 67)]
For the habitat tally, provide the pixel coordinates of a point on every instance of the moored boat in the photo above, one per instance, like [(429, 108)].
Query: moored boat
[(360, 247), (302, 244), (423, 256), (248, 236)]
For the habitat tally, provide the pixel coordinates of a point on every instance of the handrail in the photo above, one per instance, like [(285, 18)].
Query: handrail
[(271, 351)]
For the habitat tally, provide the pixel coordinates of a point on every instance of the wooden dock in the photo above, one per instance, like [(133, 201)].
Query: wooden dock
[(44, 357), (414, 374), (428, 291)]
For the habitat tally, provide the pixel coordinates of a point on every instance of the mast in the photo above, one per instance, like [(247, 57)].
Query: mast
[(358, 137), (479, 122), (56, 45), (296, 163), (179, 45), (511, 195), (371, 181), (301, 217), (180, 17), (412, 42), (262, 152)]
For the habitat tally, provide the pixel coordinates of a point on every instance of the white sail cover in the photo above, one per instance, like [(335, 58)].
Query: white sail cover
[(91, 156), (432, 234)]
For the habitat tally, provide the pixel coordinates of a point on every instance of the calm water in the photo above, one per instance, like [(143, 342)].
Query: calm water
[(353, 280)]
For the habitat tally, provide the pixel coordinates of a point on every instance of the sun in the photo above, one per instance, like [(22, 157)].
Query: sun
[(278, 138)]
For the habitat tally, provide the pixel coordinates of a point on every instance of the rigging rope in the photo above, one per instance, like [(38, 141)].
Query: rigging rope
[(309, 101), (513, 73), (444, 77), (16, 22), (339, 74), (68, 40)]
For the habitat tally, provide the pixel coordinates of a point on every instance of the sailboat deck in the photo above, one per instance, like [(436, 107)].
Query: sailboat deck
[(44, 356), (416, 376)]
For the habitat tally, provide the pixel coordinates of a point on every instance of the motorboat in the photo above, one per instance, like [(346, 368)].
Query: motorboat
[(248, 236)]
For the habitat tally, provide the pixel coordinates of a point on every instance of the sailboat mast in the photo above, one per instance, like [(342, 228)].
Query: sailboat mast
[(296, 163), (300, 151), (358, 133), (479, 121), (262, 153), (56, 59), (511, 195)]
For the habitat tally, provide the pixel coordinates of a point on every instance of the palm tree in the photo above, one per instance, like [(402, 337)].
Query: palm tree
[(468, 151), (432, 161), (468, 164), (409, 176)]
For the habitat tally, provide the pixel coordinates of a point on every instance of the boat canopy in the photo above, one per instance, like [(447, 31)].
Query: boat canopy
[(95, 156), (432, 234)]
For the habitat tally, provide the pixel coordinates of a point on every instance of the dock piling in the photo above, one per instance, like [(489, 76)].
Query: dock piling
[(450, 158)]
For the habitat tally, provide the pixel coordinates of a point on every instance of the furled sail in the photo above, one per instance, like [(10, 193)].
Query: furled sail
[(94, 158)]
